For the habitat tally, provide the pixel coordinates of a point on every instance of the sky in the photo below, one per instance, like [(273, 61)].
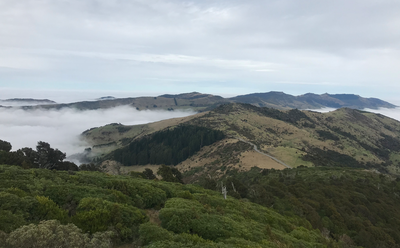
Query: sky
[(67, 50)]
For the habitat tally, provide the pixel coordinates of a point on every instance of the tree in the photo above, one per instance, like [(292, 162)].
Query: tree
[(12, 158), (5, 146), (47, 157), (148, 173), (170, 174), (30, 155)]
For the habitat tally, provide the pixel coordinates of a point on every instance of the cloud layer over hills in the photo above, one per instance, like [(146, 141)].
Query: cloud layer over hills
[(62, 128)]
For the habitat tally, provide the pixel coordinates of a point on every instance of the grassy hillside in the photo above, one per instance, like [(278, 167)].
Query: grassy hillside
[(92, 209), (344, 137)]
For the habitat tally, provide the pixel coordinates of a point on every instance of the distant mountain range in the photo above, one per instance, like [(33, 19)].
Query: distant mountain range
[(25, 101), (311, 101), (204, 102)]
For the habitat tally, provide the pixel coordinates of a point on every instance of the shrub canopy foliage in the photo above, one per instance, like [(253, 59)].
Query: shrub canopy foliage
[(93, 208), (52, 234), (349, 205)]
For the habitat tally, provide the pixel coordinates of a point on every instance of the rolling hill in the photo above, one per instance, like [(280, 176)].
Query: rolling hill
[(25, 102), (345, 137)]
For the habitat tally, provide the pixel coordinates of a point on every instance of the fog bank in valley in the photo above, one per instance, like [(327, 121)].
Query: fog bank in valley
[(61, 128), (392, 113)]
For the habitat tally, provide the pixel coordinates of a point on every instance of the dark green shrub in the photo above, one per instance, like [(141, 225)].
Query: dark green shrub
[(97, 215), (150, 233)]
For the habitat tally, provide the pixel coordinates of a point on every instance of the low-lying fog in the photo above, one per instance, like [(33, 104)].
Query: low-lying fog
[(61, 128), (392, 113)]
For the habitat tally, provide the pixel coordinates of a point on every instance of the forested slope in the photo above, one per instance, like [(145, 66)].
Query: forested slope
[(355, 206), (169, 147)]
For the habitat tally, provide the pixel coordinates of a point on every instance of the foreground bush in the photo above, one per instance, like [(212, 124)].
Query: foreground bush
[(102, 209), (52, 234), (96, 215)]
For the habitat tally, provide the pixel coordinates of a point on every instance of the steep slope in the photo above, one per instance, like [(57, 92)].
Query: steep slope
[(344, 137)]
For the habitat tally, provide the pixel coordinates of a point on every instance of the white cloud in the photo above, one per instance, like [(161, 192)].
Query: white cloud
[(61, 129), (392, 113), (323, 110)]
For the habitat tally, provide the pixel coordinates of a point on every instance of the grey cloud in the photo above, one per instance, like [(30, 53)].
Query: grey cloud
[(82, 44)]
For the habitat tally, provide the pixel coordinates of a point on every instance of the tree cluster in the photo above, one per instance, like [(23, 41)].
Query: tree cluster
[(352, 206), (168, 147), (44, 157)]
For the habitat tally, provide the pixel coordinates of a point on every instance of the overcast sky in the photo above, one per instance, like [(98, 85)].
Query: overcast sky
[(225, 47)]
